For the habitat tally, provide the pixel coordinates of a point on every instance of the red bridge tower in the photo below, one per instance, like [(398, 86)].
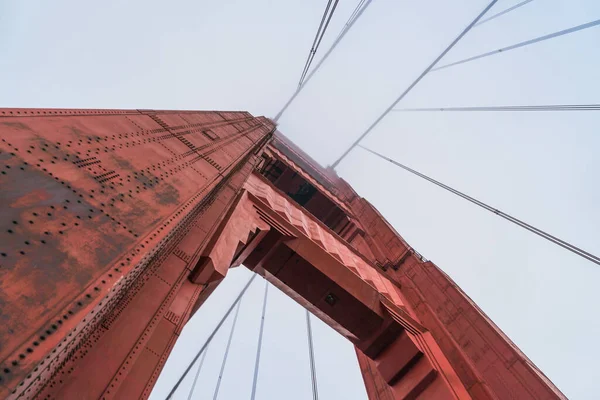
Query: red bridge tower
[(115, 226)]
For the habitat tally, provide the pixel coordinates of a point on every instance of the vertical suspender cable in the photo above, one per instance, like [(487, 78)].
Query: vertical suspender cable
[(412, 85), (197, 373), (352, 16), (260, 337), (237, 312), (311, 354), (566, 245), (345, 30), (501, 13), (523, 44), (210, 338)]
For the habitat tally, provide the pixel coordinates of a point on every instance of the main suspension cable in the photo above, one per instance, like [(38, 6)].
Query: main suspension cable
[(318, 37), (501, 13), (412, 85), (311, 355), (539, 232), (522, 44), (343, 33), (212, 335), (226, 354), (260, 337), (551, 107)]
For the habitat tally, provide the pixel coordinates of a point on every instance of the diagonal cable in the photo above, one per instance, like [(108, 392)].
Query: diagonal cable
[(226, 354), (210, 338), (311, 354), (522, 44), (197, 373), (566, 245), (260, 338), (412, 85), (352, 16), (501, 13)]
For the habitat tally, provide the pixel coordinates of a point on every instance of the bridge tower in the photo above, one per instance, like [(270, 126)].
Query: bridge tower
[(116, 225)]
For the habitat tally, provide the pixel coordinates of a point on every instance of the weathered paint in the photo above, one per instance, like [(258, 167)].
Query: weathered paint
[(115, 226)]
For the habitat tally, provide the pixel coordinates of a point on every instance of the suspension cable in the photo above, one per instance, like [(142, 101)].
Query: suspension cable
[(539, 232), (260, 337), (312, 49), (352, 16), (237, 312), (212, 335), (198, 373), (311, 354), (412, 85), (326, 25), (522, 44), (318, 37), (343, 33), (551, 107), (501, 13)]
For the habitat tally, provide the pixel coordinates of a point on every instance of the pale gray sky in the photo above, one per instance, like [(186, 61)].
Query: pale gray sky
[(541, 167), (284, 367)]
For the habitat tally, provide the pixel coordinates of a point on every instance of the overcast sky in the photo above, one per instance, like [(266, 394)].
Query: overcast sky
[(247, 55)]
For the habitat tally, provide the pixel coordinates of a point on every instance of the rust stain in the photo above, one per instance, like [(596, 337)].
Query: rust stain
[(85, 212), (17, 125), (77, 132), (167, 195)]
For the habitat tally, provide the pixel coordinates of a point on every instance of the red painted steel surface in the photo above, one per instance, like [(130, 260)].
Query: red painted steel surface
[(487, 363), (115, 225), (310, 264), (94, 207)]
